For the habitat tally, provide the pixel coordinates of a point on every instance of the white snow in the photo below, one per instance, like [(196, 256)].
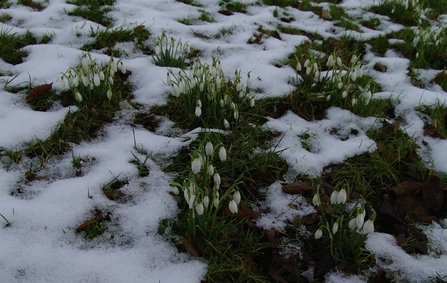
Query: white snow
[(41, 246)]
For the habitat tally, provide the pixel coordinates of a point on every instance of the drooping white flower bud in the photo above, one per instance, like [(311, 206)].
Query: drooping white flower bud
[(196, 165), (217, 180), (237, 197), (352, 224), (122, 67), (341, 197), (175, 190), (206, 201), (200, 208), (96, 80), (109, 94), (233, 206), (168, 80), (226, 124), (249, 82), (334, 197), (222, 153), (78, 96), (101, 75), (209, 149), (113, 67), (316, 200), (252, 102), (368, 227), (198, 111), (335, 228), (210, 169), (318, 233)]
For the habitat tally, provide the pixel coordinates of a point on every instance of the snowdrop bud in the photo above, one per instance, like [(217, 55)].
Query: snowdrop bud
[(168, 80), (318, 233), (85, 81), (222, 103), (298, 67), (109, 94), (340, 85), (198, 111), (210, 170), (339, 63), (78, 96), (217, 179), (175, 190), (354, 101), (157, 49), (96, 80), (75, 81), (308, 69), (206, 201), (101, 75), (201, 86), (317, 75), (334, 197), (252, 102), (353, 76), (222, 153), (344, 94), (62, 83), (316, 200), (237, 197), (216, 201), (200, 209), (196, 165), (233, 206), (417, 55), (174, 91), (360, 219), (226, 124), (113, 67), (328, 97), (249, 82), (352, 224), (315, 67), (306, 63), (199, 103), (209, 148), (236, 115), (186, 49), (330, 61), (342, 196), (233, 106), (241, 94), (238, 86), (368, 227), (122, 67), (191, 201), (335, 228), (354, 58), (111, 80)]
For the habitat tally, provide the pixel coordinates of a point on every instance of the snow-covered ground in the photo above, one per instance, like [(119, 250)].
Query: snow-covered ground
[(41, 246)]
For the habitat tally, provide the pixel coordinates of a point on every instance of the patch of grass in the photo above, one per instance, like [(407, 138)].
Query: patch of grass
[(4, 4), (435, 119), (93, 10), (4, 17), (371, 23), (206, 16), (282, 3), (407, 13), (379, 45), (170, 52), (11, 45), (34, 5), (46, 38), (233, 6), (190, 2), (107, 40)]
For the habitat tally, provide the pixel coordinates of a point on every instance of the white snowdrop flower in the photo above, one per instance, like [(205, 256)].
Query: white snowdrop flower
[(344, 94), (308, 70), (157, 49), (334, 197), (209, 149), (359, 219), (174, 91), (354, 76), (186, 196), (368, 96), (186, 48), (417, 55), (317, 75), (168, 80), (62, 82), (216, 201), (238, 86), (318, 233), (201, 86), (241, 93), (113, 67), (109, 94), (306, 63), (200, 209), (85, 81), (191, 201), (339, 62), (316, 200), (352, 224), (354, 59), (175, 190), (237, 197), (101, 75), (252, 102), (340, 85), (210, 170), (196, 165), (328, 97), (335, 228), (96, 79), (249, 82), (75, 81), (222, 103), (359, 71), (233, 206), (206, 201), (342, 196), (222, 153), (368, 227), (330, 61), (233, 106), (416, 40), (198, 111), (111, 80), (315, 67), (217, 179), (354, 101), (392, 11), (298, 66), (236, 115), (78, 96), (226, 124), (213, 71), (199, 103)]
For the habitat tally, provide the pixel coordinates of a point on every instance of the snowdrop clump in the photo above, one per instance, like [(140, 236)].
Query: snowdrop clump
[(343, 232), (90, 83), (170, 52), (202, 189), (209, 98)]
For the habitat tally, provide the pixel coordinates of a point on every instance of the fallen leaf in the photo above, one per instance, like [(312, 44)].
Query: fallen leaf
[(188, 245), (39, 91), (299, 188)]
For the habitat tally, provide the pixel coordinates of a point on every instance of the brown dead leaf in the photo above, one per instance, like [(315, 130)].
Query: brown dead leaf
[(407, 188), (272, 237), (188, 245), (243, 212), (98, 217), (325, 15), (433, 194), (299, 188), (38, 91), (306, 219)]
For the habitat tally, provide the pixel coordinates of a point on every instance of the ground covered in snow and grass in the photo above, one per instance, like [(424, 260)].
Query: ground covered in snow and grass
[(223, 141)]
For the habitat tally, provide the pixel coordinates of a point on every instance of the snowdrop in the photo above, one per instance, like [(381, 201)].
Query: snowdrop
[(196, 165), (319, 233), (334, 197), (222, 153), (200, 208), (237, 197), (198, 111), (209, 149), (233, 206), (341, 196)]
